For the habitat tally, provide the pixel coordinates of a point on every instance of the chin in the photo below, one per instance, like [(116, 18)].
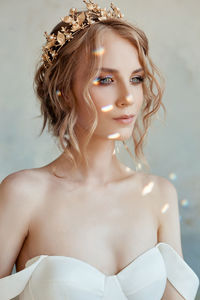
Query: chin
[(125, 134), (117, 134), (122, 136)]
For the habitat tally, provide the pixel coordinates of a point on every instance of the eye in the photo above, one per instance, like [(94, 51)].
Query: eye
[(108, 79), (138, 79), (103, 80)]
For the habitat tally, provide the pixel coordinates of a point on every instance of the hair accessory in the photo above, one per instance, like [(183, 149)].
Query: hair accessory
[(75, 22)]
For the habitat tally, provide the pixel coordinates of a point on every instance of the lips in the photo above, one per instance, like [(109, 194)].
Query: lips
[(124, 117)]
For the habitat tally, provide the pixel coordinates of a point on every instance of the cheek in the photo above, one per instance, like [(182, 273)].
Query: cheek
[(103, 96), (139, 96)]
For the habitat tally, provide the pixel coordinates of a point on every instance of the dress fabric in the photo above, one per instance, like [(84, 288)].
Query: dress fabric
[(66, 278)]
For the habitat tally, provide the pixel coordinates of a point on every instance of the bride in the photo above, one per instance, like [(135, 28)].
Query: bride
[(86, 226)]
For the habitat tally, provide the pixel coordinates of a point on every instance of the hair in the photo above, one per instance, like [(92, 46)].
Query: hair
[(53, 86)]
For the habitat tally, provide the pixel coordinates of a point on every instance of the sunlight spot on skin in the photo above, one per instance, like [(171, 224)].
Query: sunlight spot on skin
[(129, 97), (95, 81), (148, 188), (128, 169), (184, 202), (114, 135), (165, 208), (99, 51), (172, 176), (107, 108)]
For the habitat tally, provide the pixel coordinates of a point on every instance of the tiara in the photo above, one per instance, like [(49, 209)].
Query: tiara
[(75, 22)]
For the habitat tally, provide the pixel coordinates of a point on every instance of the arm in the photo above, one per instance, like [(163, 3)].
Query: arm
[(14, 219), (169, 227)]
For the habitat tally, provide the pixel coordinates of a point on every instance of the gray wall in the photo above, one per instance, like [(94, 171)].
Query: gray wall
[(173, 147)]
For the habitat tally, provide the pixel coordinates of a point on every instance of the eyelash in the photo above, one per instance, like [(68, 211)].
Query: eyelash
[(99, 79)]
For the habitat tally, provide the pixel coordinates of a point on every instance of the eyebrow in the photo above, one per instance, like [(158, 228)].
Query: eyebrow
[(116, 71)]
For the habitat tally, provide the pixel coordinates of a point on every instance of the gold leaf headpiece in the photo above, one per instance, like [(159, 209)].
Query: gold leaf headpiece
[(75, 22)]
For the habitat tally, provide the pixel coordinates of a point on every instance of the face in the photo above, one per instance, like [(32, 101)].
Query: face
[(116, 91)]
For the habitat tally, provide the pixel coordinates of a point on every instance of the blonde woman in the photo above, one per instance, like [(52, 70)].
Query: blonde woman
[(86, 227)]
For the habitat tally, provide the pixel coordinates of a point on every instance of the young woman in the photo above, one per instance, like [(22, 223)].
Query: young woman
[(85, 226)]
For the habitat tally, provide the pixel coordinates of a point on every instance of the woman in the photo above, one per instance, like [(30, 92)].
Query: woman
[(86, 226)]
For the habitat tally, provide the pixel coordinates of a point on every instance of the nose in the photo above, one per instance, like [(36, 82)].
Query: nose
[(125, 100), (125, 97)]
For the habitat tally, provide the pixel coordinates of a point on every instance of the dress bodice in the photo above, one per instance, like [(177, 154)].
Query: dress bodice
[(67, 278)]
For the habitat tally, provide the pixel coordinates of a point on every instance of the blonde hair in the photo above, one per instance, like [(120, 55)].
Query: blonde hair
[(53, 86)]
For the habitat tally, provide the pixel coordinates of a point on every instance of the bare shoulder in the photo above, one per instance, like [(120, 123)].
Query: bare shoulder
[(22, 192), (154, 181), (168, 214), (18, 177), (167, 190), (22, 185), (162, 190), (163, 187), (167, 193), (18, 198)]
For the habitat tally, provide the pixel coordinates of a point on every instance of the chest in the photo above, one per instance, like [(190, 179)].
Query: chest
[(106, 228)]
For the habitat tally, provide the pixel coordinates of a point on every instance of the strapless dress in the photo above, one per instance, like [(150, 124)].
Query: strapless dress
[(48, 277)]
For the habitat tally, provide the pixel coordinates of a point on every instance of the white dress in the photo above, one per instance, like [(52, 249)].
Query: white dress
[(66, 278)]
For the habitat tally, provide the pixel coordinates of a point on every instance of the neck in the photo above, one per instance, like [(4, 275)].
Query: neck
[(103, 165)]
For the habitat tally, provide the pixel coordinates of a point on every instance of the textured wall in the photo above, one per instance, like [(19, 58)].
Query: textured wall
[(173, 147)]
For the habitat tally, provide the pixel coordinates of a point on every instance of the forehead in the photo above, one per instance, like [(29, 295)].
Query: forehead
[(118, 52)]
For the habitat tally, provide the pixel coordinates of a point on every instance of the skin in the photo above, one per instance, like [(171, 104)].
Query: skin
[(104, 193)]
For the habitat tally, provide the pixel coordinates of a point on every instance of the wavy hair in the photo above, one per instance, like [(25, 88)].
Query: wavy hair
[(53, 87)]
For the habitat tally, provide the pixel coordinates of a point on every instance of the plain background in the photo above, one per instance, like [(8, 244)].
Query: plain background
[(173, 146)]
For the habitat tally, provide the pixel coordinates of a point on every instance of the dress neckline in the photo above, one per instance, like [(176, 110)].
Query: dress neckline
[(93, 267)]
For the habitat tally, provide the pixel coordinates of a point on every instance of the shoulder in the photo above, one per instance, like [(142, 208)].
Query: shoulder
[(165, 185), (159, 184), (163, 188), (22, 185), (18, 199), (21, 178), (164, 191), (168, 215), (17, 177), (163, 194), (167, 193)]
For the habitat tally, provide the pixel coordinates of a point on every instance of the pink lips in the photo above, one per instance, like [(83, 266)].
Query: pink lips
[(125, 119)]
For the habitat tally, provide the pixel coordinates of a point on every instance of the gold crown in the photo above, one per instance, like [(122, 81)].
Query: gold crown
[(76, 22)]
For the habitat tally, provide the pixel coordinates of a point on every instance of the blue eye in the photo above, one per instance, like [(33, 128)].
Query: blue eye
[(139, 79), (104, 80), (107, 80)]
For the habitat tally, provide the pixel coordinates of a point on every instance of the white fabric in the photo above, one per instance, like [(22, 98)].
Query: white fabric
[(67, 278)]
